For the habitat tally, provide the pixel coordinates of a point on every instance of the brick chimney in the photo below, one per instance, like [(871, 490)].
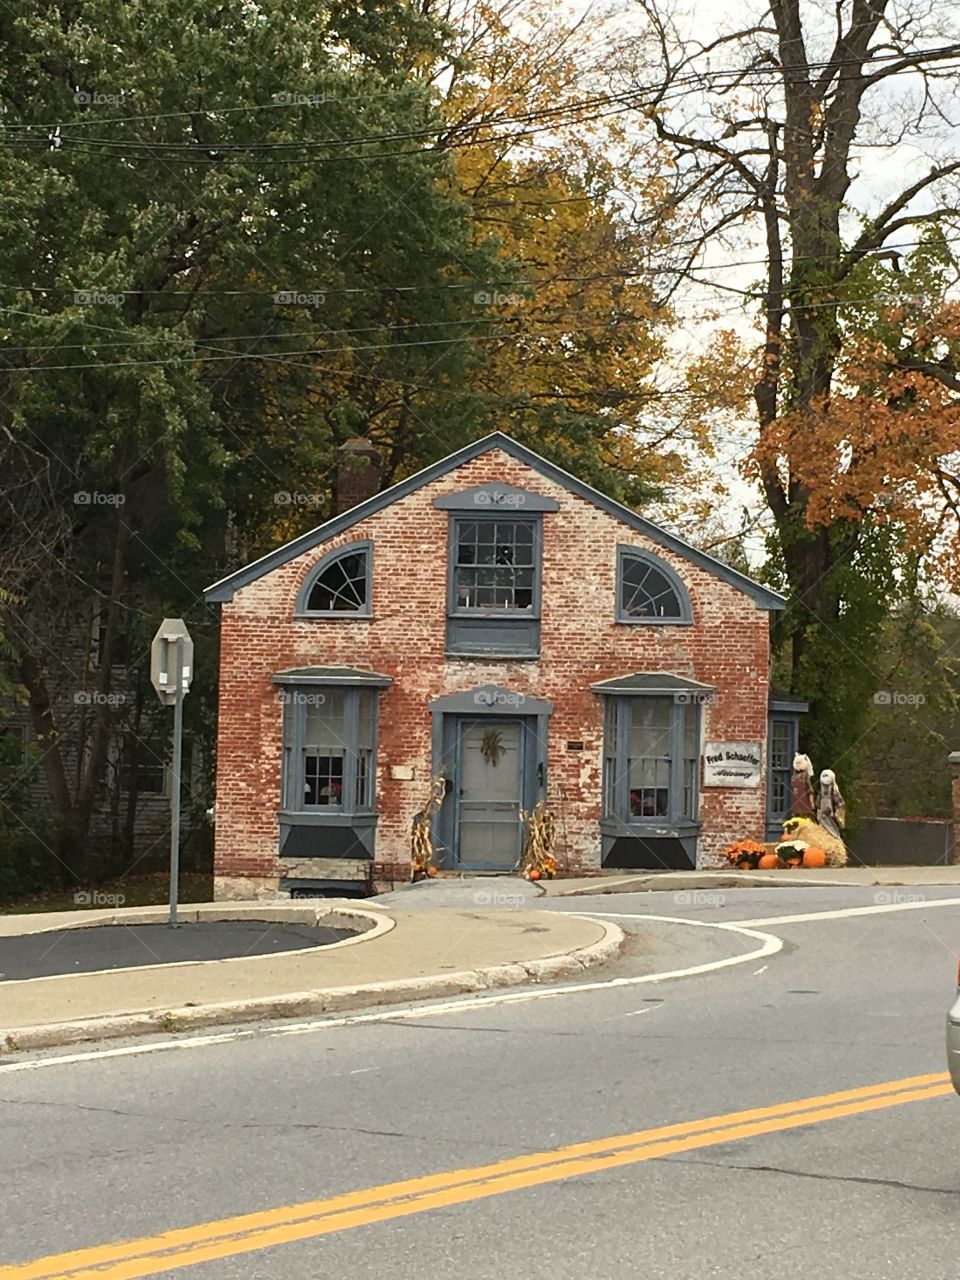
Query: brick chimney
[(358, 473)]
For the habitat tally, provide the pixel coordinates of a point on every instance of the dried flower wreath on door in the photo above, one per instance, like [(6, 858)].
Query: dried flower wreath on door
[(491, 746)]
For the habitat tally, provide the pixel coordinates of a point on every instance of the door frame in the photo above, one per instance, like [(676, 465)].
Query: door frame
[(448, 713)]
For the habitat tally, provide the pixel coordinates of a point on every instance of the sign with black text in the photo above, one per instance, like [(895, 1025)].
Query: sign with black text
[(732, 764)]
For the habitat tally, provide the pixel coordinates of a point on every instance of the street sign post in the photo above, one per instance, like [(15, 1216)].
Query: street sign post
[(171, 673)]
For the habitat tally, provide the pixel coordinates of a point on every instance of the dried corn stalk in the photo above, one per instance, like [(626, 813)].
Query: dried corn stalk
[(421, 843), (537, 859)]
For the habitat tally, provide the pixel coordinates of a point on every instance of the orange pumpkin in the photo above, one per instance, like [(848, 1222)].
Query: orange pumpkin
[(769, 861), (534, 874), (814, 857)]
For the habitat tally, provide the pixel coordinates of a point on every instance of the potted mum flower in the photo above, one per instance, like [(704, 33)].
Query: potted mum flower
[(791, 852), (745, 854)]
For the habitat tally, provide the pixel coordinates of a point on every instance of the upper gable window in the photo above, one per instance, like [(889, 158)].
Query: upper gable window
[(496, 565), (340, 584), (648, 590)]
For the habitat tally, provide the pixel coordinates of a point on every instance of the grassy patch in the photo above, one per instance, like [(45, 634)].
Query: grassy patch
[(132, 891)]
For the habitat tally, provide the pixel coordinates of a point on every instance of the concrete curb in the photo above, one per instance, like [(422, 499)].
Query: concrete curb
[(364, 926), (681, 881), (352, 915), (330, 1000)]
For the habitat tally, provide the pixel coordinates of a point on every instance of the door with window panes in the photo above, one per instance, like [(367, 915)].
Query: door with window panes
[(782, 744)]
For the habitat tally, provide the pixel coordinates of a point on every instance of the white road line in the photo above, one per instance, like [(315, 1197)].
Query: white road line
[(763, 969), (842, 913), (846, 912), (769, 946)]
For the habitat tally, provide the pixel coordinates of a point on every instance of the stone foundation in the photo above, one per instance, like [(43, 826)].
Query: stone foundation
[(247, 889)]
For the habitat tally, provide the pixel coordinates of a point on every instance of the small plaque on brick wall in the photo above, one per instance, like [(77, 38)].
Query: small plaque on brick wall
[(574, 746), (402, 772), (732, 764)]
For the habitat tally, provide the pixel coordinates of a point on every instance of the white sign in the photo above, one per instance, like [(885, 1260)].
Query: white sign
[(732, 764), (163, 659)]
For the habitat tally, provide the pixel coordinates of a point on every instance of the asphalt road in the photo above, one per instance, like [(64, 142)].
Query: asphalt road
[(58, 951), (110, 1148)]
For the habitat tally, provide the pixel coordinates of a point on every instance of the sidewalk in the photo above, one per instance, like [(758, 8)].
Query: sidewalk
[(649, 881), (404, 956)]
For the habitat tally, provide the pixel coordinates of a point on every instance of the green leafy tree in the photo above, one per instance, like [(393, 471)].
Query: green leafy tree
[(227, 240)]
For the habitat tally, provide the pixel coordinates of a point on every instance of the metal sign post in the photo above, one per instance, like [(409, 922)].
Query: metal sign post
[(175, 798), (171, 671)]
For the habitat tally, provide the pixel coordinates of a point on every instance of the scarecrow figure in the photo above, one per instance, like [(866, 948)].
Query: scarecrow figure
[(801, 787), (831, 810)]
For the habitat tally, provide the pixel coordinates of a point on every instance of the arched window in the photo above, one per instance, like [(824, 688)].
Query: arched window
[(648, 590), (340, 584)]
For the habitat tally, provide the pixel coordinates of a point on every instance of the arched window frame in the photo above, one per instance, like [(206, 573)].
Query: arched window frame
[(685, 619), (349, 549)]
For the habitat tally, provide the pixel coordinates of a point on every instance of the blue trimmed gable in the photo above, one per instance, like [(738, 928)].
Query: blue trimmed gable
[(500, 496)]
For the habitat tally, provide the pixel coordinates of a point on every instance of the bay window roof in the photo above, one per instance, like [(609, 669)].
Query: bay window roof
[(651, 682), (332, 675)]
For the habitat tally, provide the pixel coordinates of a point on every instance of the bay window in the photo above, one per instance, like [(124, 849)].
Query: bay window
[(651, 751)]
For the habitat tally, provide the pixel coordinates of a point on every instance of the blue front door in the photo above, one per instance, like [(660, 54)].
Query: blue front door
[(489, 787)]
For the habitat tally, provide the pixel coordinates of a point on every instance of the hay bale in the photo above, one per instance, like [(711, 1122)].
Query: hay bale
[(812, 833)]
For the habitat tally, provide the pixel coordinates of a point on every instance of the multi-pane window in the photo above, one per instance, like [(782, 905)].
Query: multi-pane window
[(143, 766), (342, 584), (329, 746), (611, 720), (323, 748), (690, 736), (651, 759), (13, 745), (782, 735), (365, 743), (648, 591), (495, 564)]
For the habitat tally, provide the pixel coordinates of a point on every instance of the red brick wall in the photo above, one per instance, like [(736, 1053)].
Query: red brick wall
[(727, 646)]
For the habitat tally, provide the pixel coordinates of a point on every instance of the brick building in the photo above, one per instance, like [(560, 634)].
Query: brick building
[(497, 623)]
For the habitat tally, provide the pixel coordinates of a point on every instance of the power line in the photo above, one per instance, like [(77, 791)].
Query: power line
[(765, 73), (216, 153), (478, 285)]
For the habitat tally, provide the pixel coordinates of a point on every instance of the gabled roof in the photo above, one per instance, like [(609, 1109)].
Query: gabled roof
[(224, 590)]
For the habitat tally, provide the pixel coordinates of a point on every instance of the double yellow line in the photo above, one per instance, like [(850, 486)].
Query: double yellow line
[(229, 1237)]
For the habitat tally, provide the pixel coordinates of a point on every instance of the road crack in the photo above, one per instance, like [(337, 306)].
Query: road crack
[(894, 1183)]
